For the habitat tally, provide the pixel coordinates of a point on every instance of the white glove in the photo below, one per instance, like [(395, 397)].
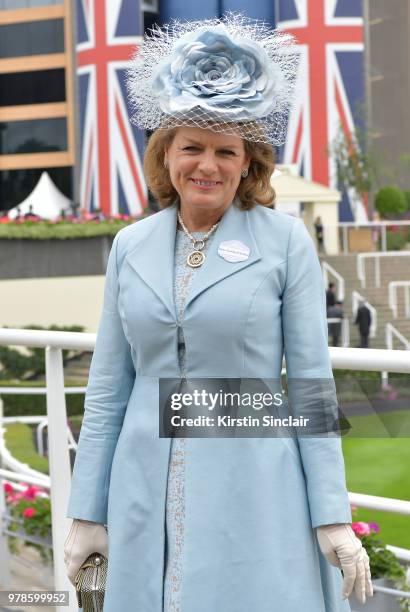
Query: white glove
[(343, 549), (83, 539)]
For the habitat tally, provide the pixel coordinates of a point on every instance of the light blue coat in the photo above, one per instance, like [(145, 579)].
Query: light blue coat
[(251, 503)]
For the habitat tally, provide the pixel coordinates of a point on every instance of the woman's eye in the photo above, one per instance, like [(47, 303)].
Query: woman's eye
[(227, 152), (190, 148)]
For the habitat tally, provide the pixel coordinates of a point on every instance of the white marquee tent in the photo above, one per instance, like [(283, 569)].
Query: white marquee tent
[(46, 200)]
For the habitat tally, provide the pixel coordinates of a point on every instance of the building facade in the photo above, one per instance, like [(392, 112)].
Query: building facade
[(37, 110), (64, 108), (388, 89)]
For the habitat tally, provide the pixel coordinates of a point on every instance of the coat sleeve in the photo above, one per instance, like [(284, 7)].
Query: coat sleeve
[(110, 382), (305, 338)]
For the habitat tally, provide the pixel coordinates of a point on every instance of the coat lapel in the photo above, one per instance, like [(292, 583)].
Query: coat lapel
[(153, 257), (234, 225)]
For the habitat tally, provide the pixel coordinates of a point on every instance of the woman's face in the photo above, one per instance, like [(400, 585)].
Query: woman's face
[(205, 167)]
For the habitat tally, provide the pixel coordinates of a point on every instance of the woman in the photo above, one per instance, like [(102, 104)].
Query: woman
[(319, 234), (214, 286)]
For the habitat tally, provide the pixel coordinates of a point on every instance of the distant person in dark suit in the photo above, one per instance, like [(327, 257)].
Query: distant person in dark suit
[(330, 295), (335, 328), (31, 214), (363, 320), (319, 234)]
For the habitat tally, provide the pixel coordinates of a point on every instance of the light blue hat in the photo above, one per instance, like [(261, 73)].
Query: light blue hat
[(234, 74)]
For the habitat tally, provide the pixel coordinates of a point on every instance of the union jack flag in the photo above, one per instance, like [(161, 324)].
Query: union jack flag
[(111, 176), (330, 37)]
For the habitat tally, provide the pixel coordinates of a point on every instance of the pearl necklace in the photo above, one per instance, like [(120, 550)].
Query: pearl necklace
[(196, 258)]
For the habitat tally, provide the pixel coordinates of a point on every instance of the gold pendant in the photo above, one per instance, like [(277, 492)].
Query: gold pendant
[(195, 259)]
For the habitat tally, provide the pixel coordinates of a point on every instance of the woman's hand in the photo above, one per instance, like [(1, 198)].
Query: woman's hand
[(343, 549), (83, 539)]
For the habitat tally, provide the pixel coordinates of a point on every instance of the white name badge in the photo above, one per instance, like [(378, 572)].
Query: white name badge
[(233, 250)]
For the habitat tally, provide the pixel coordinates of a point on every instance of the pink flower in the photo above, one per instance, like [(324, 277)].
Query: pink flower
[(29, 512), (374, 527), (8, 488), (13, 499), (361, 528), (31, 492)]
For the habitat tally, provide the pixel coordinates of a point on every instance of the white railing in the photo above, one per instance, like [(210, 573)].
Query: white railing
[(59, 461), (41, 420), (393, 286), (356, 298), (392, 332), (370, 360), (361, 269), (328, 269), (60, 470), (384, 504), (345, 330), (8, 461)]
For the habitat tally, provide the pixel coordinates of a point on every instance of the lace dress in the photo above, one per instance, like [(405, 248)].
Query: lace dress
[(175, 504)]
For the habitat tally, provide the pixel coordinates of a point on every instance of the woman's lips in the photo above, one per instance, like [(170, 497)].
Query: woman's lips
[(204, 184)]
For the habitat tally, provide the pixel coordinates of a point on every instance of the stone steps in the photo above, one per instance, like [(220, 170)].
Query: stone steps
[(391, 268)]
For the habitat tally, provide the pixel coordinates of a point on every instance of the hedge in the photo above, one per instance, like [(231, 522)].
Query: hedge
[(33, 405), (390, 200), (61, 230)]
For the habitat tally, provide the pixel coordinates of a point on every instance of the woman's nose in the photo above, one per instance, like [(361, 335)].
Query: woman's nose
[(207, 163)]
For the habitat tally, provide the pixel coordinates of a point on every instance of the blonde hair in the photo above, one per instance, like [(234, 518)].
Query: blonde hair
[(256, 188)]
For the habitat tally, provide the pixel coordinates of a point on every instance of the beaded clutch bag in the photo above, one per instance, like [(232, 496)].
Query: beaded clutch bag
[(90, 583)]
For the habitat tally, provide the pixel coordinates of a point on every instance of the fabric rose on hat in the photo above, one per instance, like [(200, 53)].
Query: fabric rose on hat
[(231, 73), (225, 78)]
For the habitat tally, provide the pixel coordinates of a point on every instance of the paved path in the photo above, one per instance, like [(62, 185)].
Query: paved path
[(29, 574)]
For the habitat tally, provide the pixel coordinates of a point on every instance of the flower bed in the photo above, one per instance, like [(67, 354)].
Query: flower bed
[(385, 568), (62, 228), (30, 512)]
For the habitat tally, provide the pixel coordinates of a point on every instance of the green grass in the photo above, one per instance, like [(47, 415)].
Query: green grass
[(395, 424), (380, 466), (20, 443)]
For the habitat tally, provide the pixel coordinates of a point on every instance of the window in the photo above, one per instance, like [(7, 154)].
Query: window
[(32, 87), (33, 136), (32, 38), (10, 5)]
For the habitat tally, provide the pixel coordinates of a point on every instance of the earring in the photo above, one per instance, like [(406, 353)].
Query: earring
[(165, 163), (244, 173)]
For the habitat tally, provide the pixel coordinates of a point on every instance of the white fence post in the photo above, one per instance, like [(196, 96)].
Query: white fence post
[(60, 469), (4, 549), (384, 238), (345, 332)]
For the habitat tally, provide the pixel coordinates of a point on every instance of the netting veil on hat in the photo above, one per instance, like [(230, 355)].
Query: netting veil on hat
[(234, 75)]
